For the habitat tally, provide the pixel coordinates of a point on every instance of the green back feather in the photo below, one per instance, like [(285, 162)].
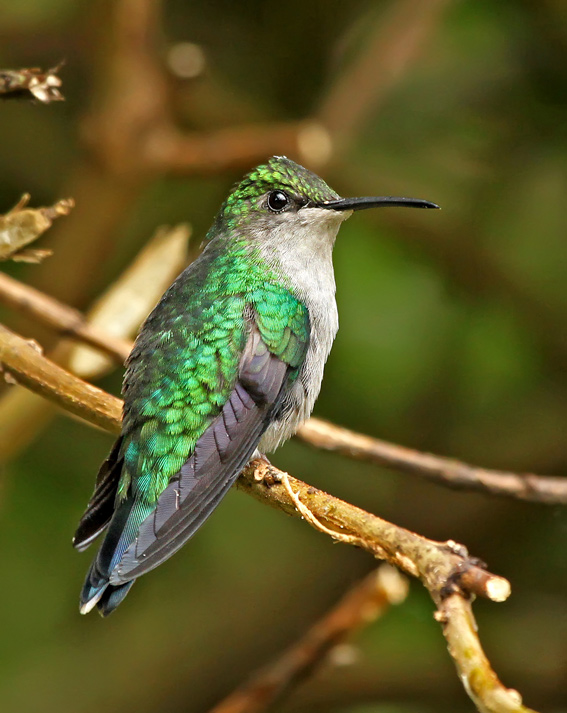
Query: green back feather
[(185, 361)]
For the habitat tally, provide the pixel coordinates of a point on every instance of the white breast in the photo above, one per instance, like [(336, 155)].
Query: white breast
[(302, 251)]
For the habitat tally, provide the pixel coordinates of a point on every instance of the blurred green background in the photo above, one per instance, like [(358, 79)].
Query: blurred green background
[(453, 338)]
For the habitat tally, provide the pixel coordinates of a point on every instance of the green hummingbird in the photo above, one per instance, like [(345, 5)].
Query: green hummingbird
[(226, 367)]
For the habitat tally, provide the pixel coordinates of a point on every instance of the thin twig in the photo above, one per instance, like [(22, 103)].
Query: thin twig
[(444, 568), (547, 489), (67, 321), (360, 606), (479, 679), (171, 151)]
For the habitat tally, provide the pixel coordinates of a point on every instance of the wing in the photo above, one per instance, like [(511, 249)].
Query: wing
[(216, 461)]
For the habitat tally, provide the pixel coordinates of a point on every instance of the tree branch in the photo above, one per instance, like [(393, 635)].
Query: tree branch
[(171, 151), (444, 568), (67, 321), (450, 575), (25, 364), (545, 489), (361, 605)]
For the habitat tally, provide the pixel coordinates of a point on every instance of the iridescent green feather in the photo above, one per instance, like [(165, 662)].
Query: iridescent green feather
[(185, 362)]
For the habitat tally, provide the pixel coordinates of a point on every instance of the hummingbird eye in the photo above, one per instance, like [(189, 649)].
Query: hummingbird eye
[(277, 201)]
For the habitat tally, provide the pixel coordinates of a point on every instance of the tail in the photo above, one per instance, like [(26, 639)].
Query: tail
[(98, 592), (122, 523)]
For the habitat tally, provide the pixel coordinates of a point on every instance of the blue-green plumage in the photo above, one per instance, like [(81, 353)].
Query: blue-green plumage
[(231, 359)]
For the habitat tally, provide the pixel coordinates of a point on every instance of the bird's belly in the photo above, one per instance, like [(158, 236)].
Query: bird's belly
[(302, 394)]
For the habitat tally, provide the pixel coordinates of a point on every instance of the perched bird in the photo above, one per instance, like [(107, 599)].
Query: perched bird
[(228, 365)]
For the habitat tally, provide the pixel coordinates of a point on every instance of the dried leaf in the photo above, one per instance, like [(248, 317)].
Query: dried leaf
[(125, 305), (43, 86), (23, 225), (32, 255)]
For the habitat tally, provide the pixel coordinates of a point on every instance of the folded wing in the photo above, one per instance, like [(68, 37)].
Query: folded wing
[(218, 458)]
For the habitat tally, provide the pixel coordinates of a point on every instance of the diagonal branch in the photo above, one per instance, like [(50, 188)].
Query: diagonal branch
[(450, 575), (360, 606), (172, 151), (546, 489), (68, 321), (25, 364), (444, 568)]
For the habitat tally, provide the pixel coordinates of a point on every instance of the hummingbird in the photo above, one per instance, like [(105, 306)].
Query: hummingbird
[(225, 368)]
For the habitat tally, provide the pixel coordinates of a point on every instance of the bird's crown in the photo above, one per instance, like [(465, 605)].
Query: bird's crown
[(279, 173)]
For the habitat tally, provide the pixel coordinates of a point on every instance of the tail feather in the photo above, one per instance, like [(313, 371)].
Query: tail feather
[(101, 505), (97, 590), (93, 589), (112, 597)]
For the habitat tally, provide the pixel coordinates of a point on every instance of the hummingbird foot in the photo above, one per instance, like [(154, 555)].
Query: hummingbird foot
[(264, 471)]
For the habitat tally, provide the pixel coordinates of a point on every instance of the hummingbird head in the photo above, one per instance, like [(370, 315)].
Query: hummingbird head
[(283, 205)]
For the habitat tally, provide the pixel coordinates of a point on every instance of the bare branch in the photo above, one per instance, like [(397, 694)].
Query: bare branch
[(67, 321), (547, 489), (480, 682), (31, 83), (360, 606), (169, 150), (437, 564), (444, 568), (22, 360)]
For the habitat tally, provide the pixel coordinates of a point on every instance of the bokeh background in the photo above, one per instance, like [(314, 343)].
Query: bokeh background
[(453, 331)]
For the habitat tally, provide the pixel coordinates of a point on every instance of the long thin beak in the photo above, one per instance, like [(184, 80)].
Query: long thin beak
[(376, 202)]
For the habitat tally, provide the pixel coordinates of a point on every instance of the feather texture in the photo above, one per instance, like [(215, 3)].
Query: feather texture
[(231, 359), (219, 456), (149, 525)]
